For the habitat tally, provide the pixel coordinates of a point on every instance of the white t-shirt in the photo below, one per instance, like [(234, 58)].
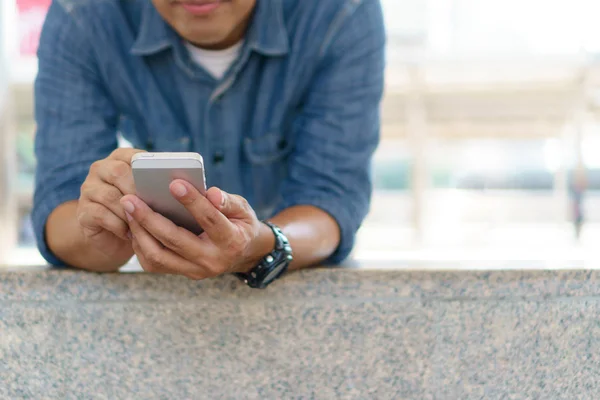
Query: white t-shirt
[(216, 62)]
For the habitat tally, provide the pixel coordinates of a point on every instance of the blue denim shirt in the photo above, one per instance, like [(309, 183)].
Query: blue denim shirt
[(294, 121)]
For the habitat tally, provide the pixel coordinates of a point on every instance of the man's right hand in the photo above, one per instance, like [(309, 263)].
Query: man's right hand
[(99, 213)]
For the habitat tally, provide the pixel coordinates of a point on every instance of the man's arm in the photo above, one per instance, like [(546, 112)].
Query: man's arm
[(327, 192), (76, 126), (313, 234), (67, 242)]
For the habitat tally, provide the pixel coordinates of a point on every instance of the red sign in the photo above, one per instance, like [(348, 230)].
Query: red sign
[(31, 15)]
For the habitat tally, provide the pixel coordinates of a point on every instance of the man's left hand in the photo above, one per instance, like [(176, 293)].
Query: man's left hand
[(234, 240)]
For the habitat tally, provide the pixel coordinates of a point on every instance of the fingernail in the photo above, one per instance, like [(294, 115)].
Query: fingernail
[(223, 198), (129, 217), (179, 190), (129, 207)]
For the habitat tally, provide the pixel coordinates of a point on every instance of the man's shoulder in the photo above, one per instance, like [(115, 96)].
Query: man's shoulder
[(100, 9), (329, 8), (326, 19), (320, 16)]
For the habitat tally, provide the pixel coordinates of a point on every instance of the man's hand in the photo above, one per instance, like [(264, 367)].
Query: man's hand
[(234, 240), (100, 215)]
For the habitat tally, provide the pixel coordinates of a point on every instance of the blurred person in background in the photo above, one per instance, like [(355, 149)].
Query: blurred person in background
[(281, 97), (580, 184)]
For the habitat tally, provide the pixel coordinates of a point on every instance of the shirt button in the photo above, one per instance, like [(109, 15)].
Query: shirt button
[(218, 157)]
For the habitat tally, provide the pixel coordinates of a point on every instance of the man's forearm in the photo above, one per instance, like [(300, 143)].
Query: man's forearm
[(313, 234), (66, 241)]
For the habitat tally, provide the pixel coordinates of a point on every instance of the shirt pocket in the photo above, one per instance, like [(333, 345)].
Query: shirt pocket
[(267, 158)]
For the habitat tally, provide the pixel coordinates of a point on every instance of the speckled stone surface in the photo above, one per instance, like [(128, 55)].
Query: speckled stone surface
[(322, 334)]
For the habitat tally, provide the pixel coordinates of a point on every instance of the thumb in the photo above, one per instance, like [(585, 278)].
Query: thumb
[(230, 205)]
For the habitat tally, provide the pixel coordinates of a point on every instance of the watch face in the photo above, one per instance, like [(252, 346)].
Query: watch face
[(273, 274)]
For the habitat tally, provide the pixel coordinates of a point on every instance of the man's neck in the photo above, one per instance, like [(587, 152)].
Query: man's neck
[(235, 37)]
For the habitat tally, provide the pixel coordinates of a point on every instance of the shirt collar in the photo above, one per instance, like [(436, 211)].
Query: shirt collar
[(154, 35), (267, 33)]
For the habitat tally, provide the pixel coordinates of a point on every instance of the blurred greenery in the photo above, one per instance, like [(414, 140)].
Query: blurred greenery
[(25, 152), (396, 175), (391, 175)]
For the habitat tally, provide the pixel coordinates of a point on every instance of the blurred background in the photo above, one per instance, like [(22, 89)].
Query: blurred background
[(490, 138)]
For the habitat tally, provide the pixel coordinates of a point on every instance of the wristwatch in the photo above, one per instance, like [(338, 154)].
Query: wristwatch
[(271, 266)]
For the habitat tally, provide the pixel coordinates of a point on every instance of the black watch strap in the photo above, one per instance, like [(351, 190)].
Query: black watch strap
[(273, 265)]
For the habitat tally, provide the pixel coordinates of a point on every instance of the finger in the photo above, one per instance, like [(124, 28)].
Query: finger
[(216, 225), (116, 173), (178, 239), (125, 154), (155, 258), (93, 216), (230, 205), (103, 193)]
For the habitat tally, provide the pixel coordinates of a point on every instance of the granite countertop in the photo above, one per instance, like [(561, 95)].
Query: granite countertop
[(324, 334)]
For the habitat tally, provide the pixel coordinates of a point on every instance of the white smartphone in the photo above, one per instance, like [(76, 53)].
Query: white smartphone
[(154, 172)]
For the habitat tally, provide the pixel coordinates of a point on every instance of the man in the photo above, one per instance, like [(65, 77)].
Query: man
[(281, 98)]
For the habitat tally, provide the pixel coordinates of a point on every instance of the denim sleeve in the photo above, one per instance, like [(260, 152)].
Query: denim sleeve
[(76, 120), (338, 129)]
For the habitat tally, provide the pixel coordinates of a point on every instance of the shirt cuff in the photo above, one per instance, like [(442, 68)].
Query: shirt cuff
[(347, 223), (42, 209)]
